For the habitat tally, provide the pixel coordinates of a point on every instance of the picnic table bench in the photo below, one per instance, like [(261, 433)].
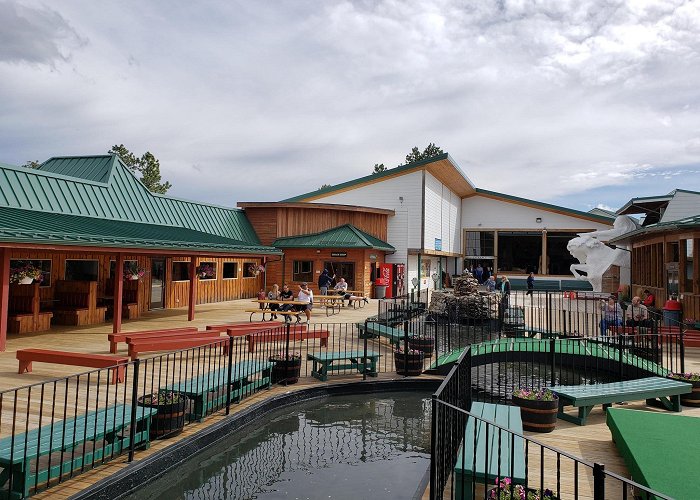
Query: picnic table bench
[(209, 390), (24, 310), (296, 334), (395, 336), (116, 338), (64, 446), (77, 303), (139, 346), (27, 356), (323, 363), (266, 308), (471, 466), (585, 397), (244, 325)]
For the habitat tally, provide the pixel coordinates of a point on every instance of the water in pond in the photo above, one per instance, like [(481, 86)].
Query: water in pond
[(354, 447)]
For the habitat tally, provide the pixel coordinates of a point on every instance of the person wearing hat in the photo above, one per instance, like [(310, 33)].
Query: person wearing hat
[(305, 295)]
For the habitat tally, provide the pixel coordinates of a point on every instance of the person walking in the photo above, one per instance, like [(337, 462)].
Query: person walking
[(530, 283), (324, 282)]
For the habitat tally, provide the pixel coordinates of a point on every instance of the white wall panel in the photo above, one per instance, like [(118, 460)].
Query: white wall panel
[(682, 205)]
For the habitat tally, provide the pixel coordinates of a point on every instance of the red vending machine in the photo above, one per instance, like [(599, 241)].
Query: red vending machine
[(397, 288), (385, 278)]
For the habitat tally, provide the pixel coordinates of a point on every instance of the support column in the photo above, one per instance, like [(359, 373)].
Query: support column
[(118, 292), (193, 288), (4, 295)]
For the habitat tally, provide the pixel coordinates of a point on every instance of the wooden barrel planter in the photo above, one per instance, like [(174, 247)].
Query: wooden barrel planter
[(410, 364), (170, 417), (692, 398), (538, 415), (424, 345), (286, 371)]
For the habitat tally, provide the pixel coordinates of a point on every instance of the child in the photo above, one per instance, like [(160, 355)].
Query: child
[(262, 296)]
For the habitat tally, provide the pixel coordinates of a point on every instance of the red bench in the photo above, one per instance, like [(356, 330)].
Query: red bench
[(27, 356), (213, 334), (138, 346), (294, 336), (115, 338), (276, 327), (245, 324)]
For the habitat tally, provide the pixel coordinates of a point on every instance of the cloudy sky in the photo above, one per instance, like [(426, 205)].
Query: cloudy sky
[(575, 103)]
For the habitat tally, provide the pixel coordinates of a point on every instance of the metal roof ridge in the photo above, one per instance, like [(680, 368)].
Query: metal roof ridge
[(195, 202), (38, 171)]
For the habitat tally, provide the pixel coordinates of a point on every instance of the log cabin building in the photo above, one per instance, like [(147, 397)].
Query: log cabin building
[(104, 243)]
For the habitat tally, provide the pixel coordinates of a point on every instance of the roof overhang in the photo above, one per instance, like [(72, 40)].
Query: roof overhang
[(311, 206), (651, 204), (685, 224)]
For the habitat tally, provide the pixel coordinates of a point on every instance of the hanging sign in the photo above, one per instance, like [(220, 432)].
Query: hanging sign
[(339, 254), (438, 244)]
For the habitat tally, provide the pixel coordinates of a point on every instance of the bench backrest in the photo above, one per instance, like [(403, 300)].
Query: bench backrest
[(23, 299), (78, 294), (121, 337)]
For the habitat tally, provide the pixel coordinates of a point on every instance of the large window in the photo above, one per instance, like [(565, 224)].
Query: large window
[(82, 270), (128, 264), (206, 270), (559, 259), (230, 270), (181, 271), (480, 244), (519, 251), (688, 282), (43, 265), (303, 270)]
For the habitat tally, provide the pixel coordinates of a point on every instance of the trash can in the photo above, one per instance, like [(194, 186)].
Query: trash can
[(379, 291), (672, 312)]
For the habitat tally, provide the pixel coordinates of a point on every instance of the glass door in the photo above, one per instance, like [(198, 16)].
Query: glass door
[(157, 283), (342, 270)]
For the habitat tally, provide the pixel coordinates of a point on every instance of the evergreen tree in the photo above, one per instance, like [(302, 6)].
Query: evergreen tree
[(148, 166), (429, 151), (378, 167)]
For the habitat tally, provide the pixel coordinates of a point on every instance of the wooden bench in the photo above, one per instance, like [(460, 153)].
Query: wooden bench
[(64, 447), (244, 332), (395, 336), (130, 298), (116, 338), (244, 324), (585, 397), (24, 313), (212, 334), (296, 334), (140, 346), (471, 467), (208, 391), (27, 356), (268, 311), (358, 302), (323, 363), (77, 303)]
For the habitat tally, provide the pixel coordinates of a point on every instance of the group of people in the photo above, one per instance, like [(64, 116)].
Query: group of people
[(636, 314), (482, 274), (304, 294)]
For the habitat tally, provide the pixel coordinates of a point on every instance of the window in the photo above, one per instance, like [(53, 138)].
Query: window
[(558, 256), (128, 264), (303, 271), (520, 251), (230, 270), (181, 271), (480, 243), (688, 284), (206, 270), (43, 265), (82, 270), (425, 269)]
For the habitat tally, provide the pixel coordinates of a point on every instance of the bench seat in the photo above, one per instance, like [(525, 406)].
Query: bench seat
[(208, 391), (393, 335), (20, 454), (116, 338), (140, 346), (471, 466), (27, 356), (268, 311), (296, 334), (585, 397), (323, 363)]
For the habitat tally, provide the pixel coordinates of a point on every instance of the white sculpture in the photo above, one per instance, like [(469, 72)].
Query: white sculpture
[(596, 257)]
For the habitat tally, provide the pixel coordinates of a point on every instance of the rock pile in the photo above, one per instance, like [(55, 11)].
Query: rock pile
[(466, 302)]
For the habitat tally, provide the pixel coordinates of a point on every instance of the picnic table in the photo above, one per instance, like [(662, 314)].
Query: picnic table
[(323, 363), (266, 308)]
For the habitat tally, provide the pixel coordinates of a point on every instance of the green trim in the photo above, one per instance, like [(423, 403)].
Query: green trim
[(372, 177), (547, 206), (345, 236)]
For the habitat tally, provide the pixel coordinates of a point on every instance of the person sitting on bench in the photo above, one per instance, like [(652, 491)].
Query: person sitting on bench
[(274, 294), (637, 313), (307, 296), (612, 315), (286, 294)]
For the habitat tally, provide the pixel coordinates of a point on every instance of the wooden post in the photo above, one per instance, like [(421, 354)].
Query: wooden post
[(193, 288), (4, 295), (118, 292)]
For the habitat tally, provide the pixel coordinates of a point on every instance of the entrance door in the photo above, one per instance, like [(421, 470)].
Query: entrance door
[(342, 270), (158, 283)]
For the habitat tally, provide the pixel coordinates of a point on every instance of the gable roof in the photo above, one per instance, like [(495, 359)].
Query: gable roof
[(102, 186), (441, 166), (345, 236), (653, 207), (692, 222)]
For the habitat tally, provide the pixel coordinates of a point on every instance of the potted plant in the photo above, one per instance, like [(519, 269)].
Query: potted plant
[(409, 363), (538, 408), (256, 269), (505, 490), (691, 398), (133, 272), (287, 367), (422, 342), (25, 274), (170, 417), (205, 271)]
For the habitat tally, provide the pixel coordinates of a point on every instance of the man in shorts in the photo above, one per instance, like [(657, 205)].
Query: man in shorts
[(305, 295)]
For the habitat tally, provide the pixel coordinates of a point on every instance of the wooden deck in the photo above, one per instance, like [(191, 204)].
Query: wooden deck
[(592, 442)]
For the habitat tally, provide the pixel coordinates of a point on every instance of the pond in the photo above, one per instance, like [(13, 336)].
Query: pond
[(363, 446)]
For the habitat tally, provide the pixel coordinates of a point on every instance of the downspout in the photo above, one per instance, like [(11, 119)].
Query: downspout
[(422, 229)]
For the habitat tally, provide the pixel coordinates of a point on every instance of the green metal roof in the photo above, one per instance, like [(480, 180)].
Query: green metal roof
[(31, 226), (102, 186), (347, 236), (372, 177), (547, 206), (675, 225)]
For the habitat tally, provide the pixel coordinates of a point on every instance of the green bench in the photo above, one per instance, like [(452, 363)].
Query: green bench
[(209, 390), (63, 447), (395, 336), (585, 397), (471, 466), (323, 363)]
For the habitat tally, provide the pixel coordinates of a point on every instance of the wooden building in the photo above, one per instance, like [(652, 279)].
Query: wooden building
[(101, 242), (349, 241)]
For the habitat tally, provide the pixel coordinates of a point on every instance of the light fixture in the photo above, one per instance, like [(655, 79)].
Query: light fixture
[(401, 199), (538, 220)]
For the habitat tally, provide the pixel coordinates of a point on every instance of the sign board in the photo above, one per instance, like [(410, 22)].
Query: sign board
[(438, 244), (339, 254)]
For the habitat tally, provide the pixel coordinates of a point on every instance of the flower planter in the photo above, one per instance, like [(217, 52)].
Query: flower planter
[(426, 346), (691, 398), (537, 415), (170, 418), (286, 371), (408, 364), (26, 281)]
